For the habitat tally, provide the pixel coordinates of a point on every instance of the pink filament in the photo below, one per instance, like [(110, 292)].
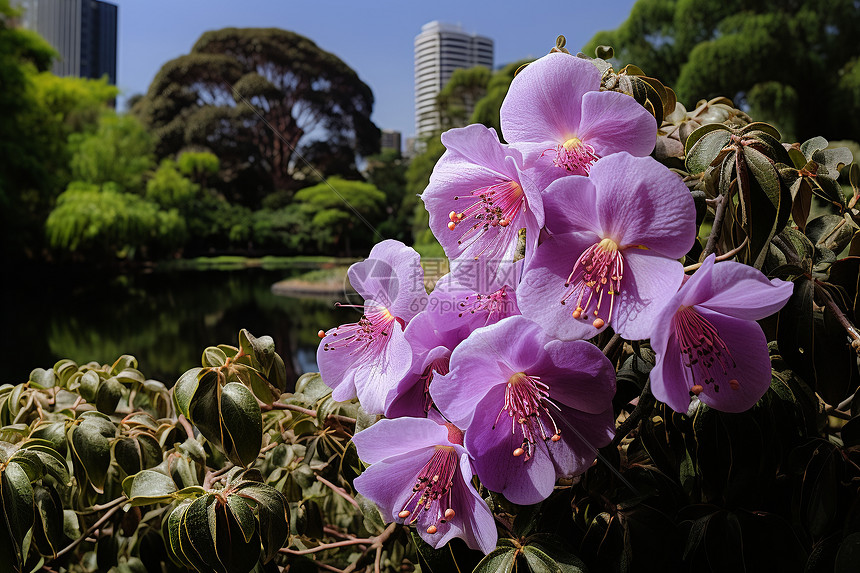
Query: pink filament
[(371, 330), (431, 493), (495, 304), (493, 210), (597, 272), (704, 351), (527, 403)]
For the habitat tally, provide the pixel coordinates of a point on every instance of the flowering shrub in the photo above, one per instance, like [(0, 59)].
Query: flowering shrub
[(644, 357)]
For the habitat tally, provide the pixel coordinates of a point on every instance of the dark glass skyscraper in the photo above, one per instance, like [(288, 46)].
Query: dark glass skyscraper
[(84, 32)]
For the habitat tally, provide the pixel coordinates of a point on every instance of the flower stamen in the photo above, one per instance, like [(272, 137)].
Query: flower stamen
[(574, 155), (598, 271), (703, 350), (373, 326), (431, 494), (528, 405), (496, 304), (493, 209)]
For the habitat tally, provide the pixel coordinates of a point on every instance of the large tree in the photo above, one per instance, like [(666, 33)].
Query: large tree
[(792, 62), (258, 98)]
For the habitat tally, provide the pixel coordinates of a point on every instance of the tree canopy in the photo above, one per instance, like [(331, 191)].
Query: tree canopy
[(741, 49), (259, 98), (38, 113)]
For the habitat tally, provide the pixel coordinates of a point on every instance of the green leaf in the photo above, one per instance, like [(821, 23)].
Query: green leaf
[(108, 396), (763, 127), (500, 560), (172, 539), (123, 362), (810, 146), (214, 357), (540, 560), (184, 390), (48, 529), (198, 532), (17, 504), (41, 378), (273, 511), (243, 515), (261, 350), (89, 385), (242, 420), (148, 487), (91, 444), (236, 551), (704, 145)]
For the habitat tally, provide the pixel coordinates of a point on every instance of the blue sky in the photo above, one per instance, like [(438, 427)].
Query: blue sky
[(374, 37)]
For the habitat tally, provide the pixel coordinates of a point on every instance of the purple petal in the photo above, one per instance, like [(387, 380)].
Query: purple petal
[(649, 282), (389, 438), (388, 483), (570, 205), (392, 276), (454, 180), (744, 292), (408, 399), (671, 380), (540, 293), (479, 525), (484, 361), (520, 481), (479, 145), (578, 375), (368, 370), (747, 346), (544, 100), (582, 434), (641, 202), (613, 122)]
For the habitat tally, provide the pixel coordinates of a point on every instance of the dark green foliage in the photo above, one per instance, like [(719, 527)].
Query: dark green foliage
[(783, 59), (262, 100), (39, 112)]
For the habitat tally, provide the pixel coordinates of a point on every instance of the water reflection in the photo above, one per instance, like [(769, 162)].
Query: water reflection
[(165, 319)]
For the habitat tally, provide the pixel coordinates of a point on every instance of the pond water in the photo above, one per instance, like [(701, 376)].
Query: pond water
[(164, 319)]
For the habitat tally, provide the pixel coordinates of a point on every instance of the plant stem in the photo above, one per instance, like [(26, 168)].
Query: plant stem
[(307, 412), (102, 520), (720, 212), (340, 491), (723, 257), (643, 407)]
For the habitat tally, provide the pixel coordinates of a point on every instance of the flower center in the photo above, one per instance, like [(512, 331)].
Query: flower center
[(439, 365), (497, 305), (489, 210), (528, 406), (372, 328), (574, 155), (431, 494), (704, 351), (597, 272)]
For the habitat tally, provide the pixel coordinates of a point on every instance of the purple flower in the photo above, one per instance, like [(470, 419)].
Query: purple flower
[(708, 343), (555, 104), (533, 409), (452, 312), (613, 257), (421, 474), (479, 198), (368, 358)]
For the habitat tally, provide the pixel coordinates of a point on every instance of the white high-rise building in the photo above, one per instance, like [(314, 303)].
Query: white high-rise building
[(439, 50)]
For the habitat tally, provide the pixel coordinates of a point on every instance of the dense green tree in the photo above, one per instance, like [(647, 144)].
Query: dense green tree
[(259, 99), (459, 96), (788, 62), (387, 171), (38, 112), (344, 208), (119, 150), (103, 220)]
